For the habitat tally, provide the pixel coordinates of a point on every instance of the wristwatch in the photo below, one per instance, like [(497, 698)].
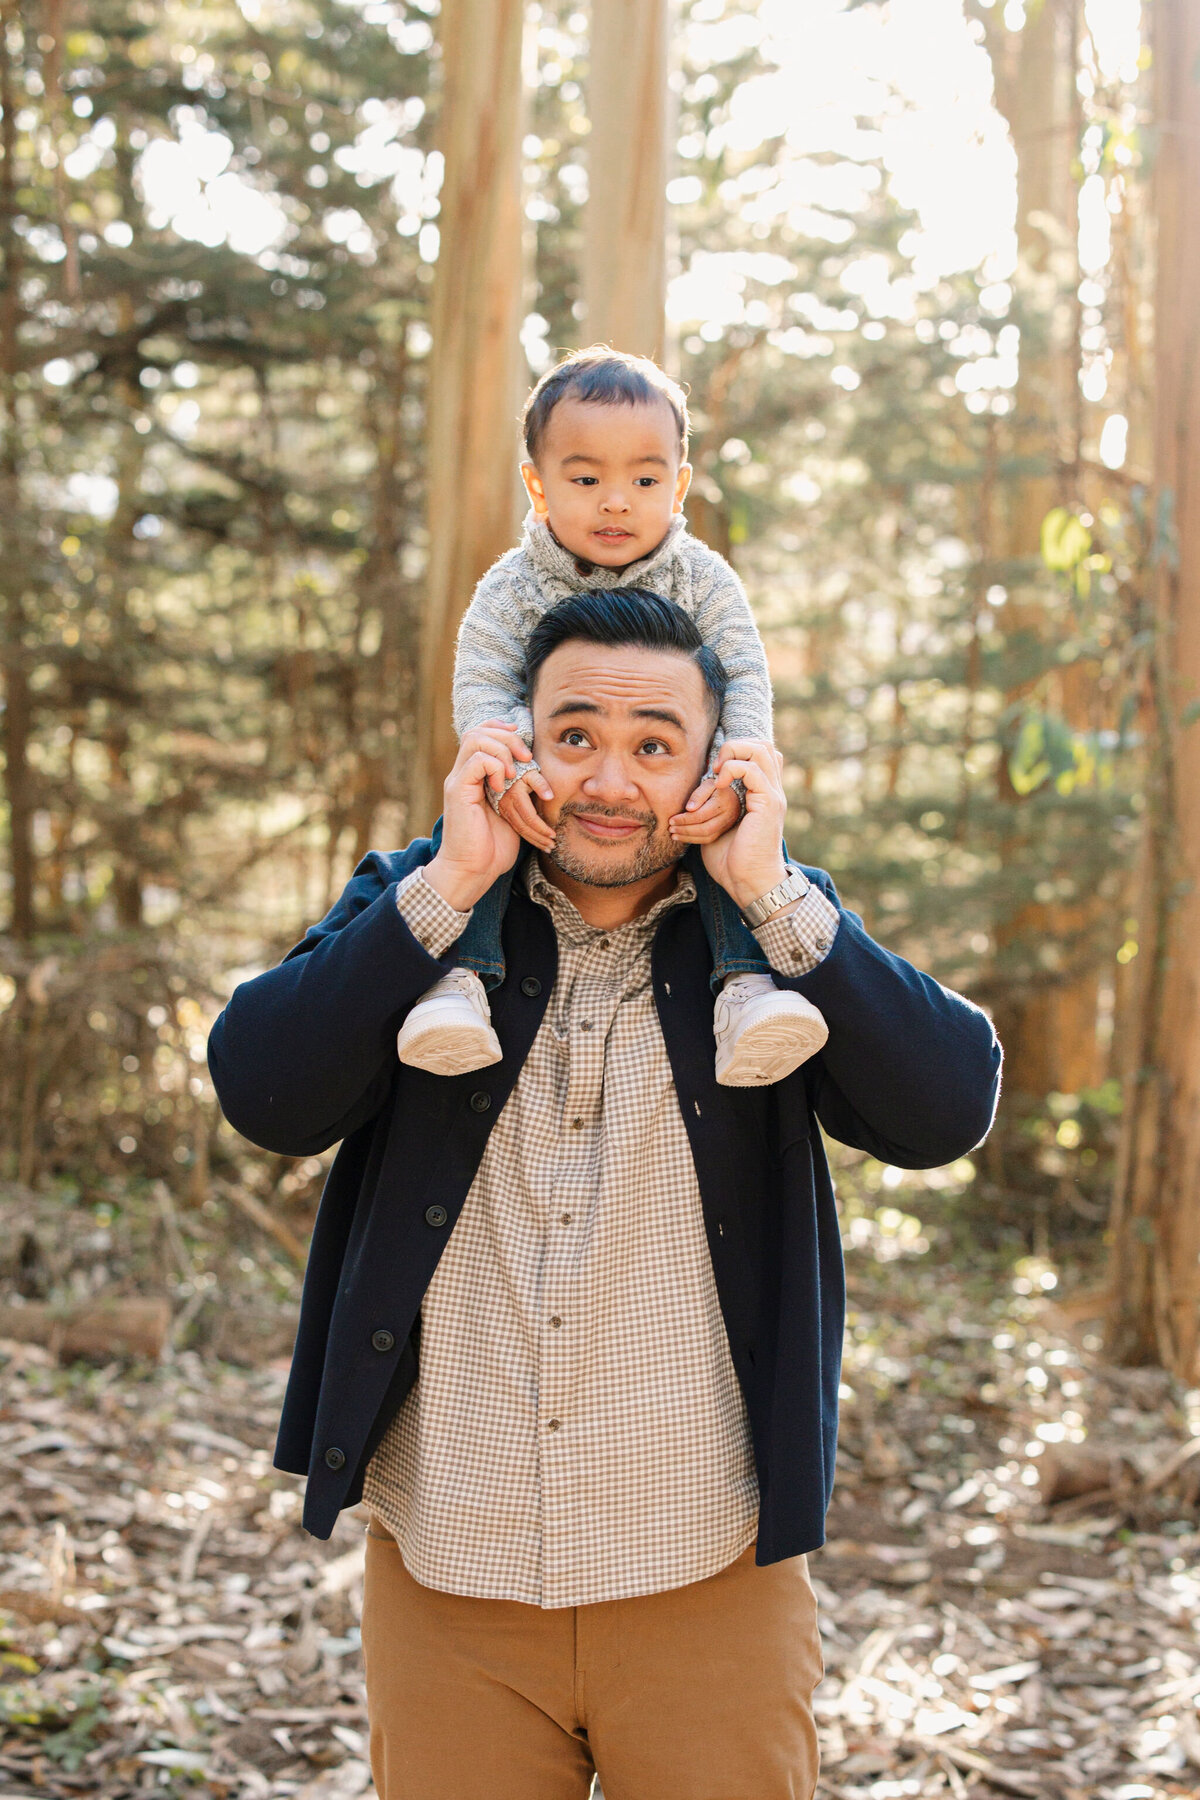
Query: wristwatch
[(794, 886)]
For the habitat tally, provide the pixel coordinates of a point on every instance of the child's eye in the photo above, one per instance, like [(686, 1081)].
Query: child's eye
[(646, 481), (584, 480)]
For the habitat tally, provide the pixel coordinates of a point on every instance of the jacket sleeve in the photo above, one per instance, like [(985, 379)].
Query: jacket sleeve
[(725, 622), (489, 661), (910, 1071), (305, 1053)]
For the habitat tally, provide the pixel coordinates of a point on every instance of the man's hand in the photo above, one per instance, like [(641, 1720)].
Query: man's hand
[(477, 845), (748, 861)]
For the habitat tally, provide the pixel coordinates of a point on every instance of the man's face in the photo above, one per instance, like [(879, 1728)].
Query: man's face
[(608, 478), (622, 735)]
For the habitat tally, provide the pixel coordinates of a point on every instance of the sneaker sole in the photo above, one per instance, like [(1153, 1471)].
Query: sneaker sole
[(449, 1049), (764, 1053)]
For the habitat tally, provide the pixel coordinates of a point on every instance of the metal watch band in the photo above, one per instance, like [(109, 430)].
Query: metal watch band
[(794, 886)]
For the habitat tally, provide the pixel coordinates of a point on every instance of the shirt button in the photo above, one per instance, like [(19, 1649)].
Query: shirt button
[(335, 1458), (586, 1025), (602, 944), (531, 987), (552, 1425), (564, 1219), (556, 1321), (822, 943), (382, 1341), (435, 1215), (481, 1102), (576, 1124)]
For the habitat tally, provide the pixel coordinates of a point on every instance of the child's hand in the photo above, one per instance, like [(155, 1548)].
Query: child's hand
[(711, 812), (518, 810)]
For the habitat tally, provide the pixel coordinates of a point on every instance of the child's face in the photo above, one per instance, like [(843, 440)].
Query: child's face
[(608, 478)]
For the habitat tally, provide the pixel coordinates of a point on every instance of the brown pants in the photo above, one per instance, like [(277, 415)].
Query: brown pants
[(700, 1693)]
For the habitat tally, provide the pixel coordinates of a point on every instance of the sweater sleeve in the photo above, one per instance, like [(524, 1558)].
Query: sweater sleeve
[(910, 1072), (306, 1052), (489, 661), (725, 621)]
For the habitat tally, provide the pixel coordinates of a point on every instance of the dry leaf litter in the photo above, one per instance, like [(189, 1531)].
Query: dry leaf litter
[(167, 1627)]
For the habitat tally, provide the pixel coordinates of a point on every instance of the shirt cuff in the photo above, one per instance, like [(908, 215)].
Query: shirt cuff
[(796, 942), (432, 920)]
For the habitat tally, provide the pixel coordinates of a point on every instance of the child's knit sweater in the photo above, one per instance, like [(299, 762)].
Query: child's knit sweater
[(527, 581)]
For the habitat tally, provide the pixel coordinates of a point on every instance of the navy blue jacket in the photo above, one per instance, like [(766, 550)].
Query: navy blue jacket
[(305, 1055)]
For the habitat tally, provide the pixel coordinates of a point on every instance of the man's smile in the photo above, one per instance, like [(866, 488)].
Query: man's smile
[(606, 828)]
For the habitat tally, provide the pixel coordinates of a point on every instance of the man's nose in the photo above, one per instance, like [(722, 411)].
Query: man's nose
[(612, 780)]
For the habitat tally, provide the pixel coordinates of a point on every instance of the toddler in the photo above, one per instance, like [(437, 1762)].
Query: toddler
[(606, 474)]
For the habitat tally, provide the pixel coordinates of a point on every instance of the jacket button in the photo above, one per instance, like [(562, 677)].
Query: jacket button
[(382, 1340), (531, 987), (481, 1102), (335, 1458), (435, 1215)]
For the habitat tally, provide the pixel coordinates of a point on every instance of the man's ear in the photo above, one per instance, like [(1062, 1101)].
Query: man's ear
[(683, 482), (535, 490)]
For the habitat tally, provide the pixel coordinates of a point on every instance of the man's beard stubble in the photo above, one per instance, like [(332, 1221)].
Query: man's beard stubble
[(657, 851)]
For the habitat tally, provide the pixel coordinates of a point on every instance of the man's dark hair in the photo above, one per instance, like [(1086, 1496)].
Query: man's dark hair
[(620, 616), (607, 377)]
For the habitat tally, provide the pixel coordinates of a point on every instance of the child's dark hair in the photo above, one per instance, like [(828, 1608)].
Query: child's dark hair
[(607, 377), (620, 616)]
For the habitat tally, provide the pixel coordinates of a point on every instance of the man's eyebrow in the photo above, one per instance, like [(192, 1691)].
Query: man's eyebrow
[(576, 706), (639, 712)]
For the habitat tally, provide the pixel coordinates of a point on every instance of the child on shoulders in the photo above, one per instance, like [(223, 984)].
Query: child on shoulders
[(606, 472)]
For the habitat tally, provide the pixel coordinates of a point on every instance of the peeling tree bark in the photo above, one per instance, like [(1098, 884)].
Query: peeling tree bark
[(1155, 1233), (476, 367), (625, 250)]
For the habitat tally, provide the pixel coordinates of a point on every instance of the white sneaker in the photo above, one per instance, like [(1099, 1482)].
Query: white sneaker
[(449, 1031), (763, 1032)]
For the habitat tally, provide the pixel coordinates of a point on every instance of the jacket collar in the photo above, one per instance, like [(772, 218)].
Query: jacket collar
[(559, 569)]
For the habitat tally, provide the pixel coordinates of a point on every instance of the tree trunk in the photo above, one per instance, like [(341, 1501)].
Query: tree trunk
[(1048, 1029), (476, 367), (1155, 1233), (625, 247), (18, 710)]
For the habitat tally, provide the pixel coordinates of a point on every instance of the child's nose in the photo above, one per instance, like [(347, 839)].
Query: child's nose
[(615, 501)]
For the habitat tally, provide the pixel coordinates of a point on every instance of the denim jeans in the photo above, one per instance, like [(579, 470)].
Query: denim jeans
[(734, 947)]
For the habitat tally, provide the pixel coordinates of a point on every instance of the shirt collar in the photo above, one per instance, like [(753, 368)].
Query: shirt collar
[(570, 921)]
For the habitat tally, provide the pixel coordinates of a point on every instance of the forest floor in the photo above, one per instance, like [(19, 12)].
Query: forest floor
[(167, 1627)]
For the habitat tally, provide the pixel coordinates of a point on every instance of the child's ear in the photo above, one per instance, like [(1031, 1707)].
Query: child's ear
[(683, 482), (534, 488)]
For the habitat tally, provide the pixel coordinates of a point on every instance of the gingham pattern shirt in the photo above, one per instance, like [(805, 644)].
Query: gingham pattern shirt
[(577, 1432)]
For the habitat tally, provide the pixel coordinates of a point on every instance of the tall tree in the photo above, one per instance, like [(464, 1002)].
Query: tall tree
[(477, 367), (1047, 1020), (625, 242), (1156, 1221)]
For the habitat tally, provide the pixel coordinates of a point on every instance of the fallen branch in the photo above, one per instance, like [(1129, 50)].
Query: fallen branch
[(95, 1328), (1012, 1781), (39, 1609), (266, 1221)]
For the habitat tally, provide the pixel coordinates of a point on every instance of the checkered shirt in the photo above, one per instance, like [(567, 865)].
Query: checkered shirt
[(577, 1432)]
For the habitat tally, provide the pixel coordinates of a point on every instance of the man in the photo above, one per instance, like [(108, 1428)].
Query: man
[(590, 1516)]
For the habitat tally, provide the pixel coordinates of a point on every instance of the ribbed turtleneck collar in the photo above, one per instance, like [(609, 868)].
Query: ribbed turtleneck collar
[(552, 561)]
